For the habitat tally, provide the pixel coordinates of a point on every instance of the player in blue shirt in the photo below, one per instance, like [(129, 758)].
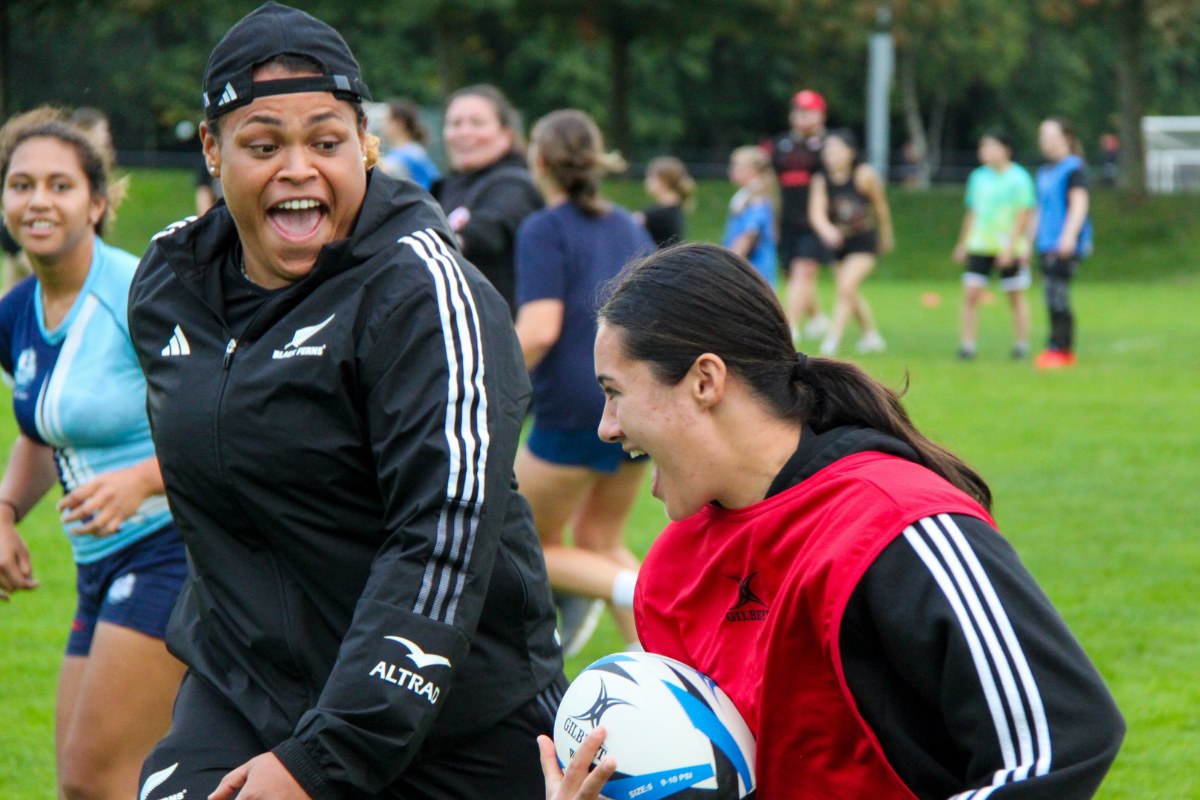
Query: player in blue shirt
[(565, 255), (80, 402), (1064, 233), (407, 136), (750, 226)]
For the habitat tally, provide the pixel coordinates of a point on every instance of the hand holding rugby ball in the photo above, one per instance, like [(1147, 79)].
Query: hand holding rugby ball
[(671, 730)]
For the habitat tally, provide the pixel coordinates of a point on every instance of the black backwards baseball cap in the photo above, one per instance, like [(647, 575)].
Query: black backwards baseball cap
[(273, 30)]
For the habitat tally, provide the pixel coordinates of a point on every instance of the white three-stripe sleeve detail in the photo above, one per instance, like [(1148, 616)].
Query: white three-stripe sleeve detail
[(1041, 724), (977, 794), (1012, 694), (457, 421), (982, 667), (461, 524), (452, 446), (467, 408), (475, 395)]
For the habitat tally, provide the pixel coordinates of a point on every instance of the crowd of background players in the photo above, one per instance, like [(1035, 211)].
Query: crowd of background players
[(803, 200)]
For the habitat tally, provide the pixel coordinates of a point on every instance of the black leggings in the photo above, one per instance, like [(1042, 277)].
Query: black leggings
[(1058, 272), (210, 738)]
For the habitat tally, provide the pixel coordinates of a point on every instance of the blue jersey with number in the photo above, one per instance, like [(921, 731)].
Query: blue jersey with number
[(79, 388)]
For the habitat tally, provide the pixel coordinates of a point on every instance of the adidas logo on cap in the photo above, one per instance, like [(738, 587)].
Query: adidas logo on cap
[(229, 95)]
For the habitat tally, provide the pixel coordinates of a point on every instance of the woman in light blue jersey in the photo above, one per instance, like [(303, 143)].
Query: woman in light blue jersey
[(80, 402)]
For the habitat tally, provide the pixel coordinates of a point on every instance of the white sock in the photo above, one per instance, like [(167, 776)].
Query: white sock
[(623, 586)]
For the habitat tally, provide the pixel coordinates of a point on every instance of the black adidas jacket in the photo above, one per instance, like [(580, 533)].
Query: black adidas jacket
[(364, 574), (498, 197), (959, 663)]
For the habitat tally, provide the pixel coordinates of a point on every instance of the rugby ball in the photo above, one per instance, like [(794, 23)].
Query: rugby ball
[(673, 732)]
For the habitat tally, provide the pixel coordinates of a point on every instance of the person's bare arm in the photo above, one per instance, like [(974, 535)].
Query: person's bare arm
[(960, 248), (1035, 220), (1019, 232), (30, 473), (818, 213), (869, 183), (539, 324), (1078, 203), (744, 245)]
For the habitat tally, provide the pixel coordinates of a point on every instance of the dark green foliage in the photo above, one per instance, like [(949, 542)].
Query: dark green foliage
[(701, 76)]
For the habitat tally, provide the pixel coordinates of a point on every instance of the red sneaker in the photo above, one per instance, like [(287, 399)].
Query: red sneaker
[(1055, 359)]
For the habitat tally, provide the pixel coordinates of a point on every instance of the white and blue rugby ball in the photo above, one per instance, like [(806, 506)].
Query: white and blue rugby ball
[(673, 732)]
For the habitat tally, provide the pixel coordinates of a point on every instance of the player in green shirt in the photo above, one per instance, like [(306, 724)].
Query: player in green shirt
[(1000, 202)]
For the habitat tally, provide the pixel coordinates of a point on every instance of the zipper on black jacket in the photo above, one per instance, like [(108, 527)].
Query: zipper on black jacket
[(224, 382)]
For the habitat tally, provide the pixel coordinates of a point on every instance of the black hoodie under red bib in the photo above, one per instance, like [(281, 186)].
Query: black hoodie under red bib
[(878, 635)]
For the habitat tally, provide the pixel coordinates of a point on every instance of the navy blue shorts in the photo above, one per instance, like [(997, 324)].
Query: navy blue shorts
[(581, 448), (134, 587)]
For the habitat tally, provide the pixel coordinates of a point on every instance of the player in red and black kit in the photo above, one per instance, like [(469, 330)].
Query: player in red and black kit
[(796, 158), (834, 571)]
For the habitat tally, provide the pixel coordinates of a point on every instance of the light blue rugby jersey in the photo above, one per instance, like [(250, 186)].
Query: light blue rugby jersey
[(79, 388)]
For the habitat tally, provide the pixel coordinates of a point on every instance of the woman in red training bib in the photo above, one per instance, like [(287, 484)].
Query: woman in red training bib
[(834, 571)]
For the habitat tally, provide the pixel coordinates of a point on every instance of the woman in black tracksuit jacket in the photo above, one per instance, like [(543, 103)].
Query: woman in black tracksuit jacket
[(368, 613), (490, 191)]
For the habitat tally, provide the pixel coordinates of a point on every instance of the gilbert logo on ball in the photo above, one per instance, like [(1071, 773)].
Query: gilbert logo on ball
[(670, 728)]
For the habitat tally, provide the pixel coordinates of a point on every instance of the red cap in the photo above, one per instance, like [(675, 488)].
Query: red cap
[(808, 100)]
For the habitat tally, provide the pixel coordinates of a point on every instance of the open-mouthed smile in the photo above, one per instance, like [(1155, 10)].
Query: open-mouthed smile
[(298, 219)]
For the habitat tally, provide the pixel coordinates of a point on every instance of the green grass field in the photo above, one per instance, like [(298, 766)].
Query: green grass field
[(1094, 471)]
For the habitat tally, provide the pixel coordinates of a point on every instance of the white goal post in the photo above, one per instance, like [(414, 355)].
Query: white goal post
[(1172, 154)]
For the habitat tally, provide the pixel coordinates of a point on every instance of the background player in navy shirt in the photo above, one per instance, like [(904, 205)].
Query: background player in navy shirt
[(80, 402), (565, 254)]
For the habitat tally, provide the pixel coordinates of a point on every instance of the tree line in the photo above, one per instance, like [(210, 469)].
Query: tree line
[(694, 77)]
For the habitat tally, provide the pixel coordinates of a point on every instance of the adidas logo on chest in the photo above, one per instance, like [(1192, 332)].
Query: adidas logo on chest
[(177, 345)]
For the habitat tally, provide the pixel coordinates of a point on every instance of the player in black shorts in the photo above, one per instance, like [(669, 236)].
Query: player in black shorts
[(796, 159), (849, 209), (1000, 202)]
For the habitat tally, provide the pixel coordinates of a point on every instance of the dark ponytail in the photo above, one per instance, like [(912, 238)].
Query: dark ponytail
[(691, 299), (569, 143)]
